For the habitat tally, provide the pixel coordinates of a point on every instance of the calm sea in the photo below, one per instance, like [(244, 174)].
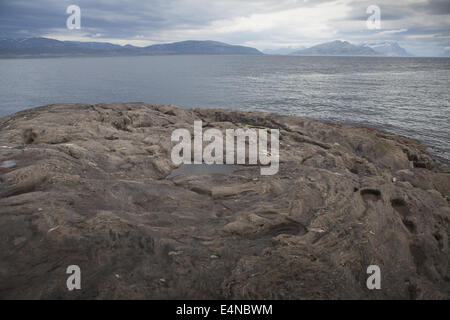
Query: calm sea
[(407, 96)]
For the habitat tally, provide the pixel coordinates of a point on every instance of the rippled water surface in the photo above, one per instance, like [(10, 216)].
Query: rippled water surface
[(407, 96)]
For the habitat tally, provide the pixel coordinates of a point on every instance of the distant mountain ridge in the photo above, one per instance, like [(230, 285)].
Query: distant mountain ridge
[(201, 47), (46, 46), (51, 47), (385, 48), (337, 48), (388, 48), (283, 51)]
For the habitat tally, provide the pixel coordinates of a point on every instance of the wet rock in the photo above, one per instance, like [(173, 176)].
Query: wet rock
[(8, 164), (88, 187), (126, 166)]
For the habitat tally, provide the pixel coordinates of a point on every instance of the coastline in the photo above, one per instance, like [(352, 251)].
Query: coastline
[(88, 186)]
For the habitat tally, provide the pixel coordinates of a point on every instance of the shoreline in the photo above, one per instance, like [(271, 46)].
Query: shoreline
[(435, 152)]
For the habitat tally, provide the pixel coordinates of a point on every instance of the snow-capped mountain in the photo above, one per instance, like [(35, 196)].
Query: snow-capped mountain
[(338, 48), (388, 48)]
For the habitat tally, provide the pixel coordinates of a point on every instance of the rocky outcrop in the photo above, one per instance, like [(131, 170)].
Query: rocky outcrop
[(86, 185)]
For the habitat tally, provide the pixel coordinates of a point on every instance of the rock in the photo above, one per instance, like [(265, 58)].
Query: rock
[(88, 187)]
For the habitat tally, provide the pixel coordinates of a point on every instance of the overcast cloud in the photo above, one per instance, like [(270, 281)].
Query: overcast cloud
[(421, 26)]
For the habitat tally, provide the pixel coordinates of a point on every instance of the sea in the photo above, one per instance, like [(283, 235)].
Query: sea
[(406, 96)]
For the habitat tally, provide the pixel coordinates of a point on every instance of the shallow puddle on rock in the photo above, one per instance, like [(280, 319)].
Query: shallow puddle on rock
[(204, 169), (8, 164)]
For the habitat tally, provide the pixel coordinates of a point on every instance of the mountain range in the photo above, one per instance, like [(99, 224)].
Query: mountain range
[(345, 48), (337, 48), (388, 48), (283, 51), (52, 47)]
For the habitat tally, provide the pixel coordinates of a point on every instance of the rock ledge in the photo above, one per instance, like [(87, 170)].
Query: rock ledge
[(85, 185)]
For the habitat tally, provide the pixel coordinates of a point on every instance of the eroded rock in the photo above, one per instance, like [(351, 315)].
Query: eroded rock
[(89, 188)]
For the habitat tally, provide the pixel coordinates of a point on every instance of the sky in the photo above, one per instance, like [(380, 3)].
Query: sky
[(420, 26)]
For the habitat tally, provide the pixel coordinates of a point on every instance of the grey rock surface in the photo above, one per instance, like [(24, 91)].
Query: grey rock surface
[(89, 188)]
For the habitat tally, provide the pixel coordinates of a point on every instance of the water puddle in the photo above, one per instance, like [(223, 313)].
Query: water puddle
[(8, 164), (204, 168)]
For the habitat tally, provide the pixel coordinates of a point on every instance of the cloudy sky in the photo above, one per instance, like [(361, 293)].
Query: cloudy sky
[(421, 26)]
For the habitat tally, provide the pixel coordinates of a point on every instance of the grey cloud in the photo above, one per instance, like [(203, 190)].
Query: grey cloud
[(159, 20), (437, 7)]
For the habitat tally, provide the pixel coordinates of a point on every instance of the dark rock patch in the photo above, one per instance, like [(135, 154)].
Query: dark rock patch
[(371, 194)]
